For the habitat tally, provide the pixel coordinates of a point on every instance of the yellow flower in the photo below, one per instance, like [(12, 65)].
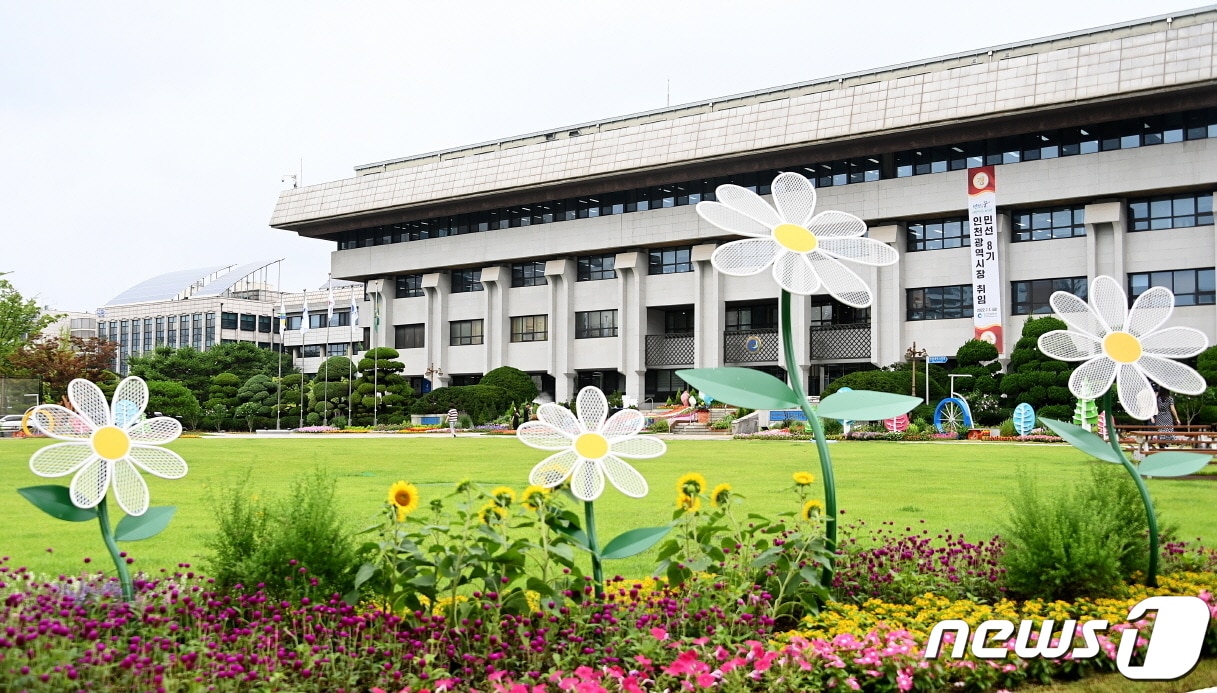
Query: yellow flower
[(534, 497), (689, 504), (812, 509), (803, 478), (403, 496), (504, 496), (691, 484), (721, 495), (492, 512)]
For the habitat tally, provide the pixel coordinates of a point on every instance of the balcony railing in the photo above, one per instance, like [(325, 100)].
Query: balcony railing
[(833, 342), (751, 346), (670, 349)]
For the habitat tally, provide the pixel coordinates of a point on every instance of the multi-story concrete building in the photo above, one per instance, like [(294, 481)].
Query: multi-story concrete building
[(576, 254)]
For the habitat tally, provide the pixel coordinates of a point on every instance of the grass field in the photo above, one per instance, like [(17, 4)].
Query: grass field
[(958, 486)]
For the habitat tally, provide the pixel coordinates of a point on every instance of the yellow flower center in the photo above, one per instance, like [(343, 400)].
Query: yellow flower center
[(795, 237), (1122, 347), (111, 443), (592, 446)]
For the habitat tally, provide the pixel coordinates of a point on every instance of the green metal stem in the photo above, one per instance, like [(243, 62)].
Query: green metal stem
[(107, 535), (589, 520), (817, 429), (1113, 438)]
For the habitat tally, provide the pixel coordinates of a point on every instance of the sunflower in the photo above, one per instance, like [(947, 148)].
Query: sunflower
[(534, 497), (504, 496), (812, 510), (687, 503), (403, 496), (721, 495), (492, 512), (803, 478), (690, 484)]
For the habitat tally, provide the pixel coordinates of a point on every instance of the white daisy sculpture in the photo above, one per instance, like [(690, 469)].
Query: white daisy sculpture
[(805, 249), (591, 446), (1124, 345)]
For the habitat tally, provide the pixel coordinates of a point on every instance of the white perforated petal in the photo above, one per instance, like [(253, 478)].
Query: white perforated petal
[(638, 447), (745, 258), (1093, 378), (560, 418), (833, 224), (795, 198), (840, 281), (587, 481), (866, 251), (58, 422), (89, 402), (591, 408), (624, 477), (626, 422), (60, 459), (129, 488), (1150, 310), (1110, 302), (1172, 375), (730, 219), (542, 436), (1077, 314), (553, 470), (745, 201), (157, 431), (130, 401), (166, 464), (1136, 396), (1065, 345), (793, 272), (89, 485), (1175, 342)]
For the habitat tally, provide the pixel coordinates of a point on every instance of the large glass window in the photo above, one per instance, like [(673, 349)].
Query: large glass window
[(309, 351), (464, 332), (596, 267), (745, 318), (1171, 211), (339, 349), (937, 234), (528, 274), (1192, 287), (591, 324), (1048, 223), (293, 322), (1031, 297), (228, 321), (466, 280), (264, 323), (670, 260), (409, 286), (678, 321), (410, 336), (827, 311), (530, 328), (939, 302), (248, 322)]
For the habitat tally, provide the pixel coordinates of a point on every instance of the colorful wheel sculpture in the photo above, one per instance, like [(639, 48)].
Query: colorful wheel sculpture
[(952, 416)]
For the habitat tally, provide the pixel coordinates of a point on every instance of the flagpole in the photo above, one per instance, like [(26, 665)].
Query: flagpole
[(329, 318), (279, 385), (303, 332), (351, 360), (375, 357)]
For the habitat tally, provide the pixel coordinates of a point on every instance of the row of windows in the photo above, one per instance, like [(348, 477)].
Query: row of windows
[(1192, 287), (342, 349), (244, 322), (1048, 144), (317, 321)]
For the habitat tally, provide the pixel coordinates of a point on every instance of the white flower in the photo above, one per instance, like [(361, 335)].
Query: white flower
[(805, 250), (105, 445), (1125, 345), (590, 447)]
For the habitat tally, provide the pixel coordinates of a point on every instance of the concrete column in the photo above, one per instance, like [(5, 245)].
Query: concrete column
[(887, 312), (632, 321), (559, 275), (496, 327), (709, 313), (436, 330), (1105, 226)]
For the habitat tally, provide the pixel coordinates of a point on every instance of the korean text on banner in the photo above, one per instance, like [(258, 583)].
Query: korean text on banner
[(986, 282)]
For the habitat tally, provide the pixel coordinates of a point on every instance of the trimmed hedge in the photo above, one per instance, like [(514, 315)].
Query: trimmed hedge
[(481, 402)]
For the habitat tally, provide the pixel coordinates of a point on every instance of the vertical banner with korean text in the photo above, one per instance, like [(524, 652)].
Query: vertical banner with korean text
[(986, 282)]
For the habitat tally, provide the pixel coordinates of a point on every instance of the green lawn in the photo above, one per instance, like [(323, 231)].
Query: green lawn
[(960, 486)]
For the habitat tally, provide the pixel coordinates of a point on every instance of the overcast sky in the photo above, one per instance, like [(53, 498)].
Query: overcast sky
[(139, 138)]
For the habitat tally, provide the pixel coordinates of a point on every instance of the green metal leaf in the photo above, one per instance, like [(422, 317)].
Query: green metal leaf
[(55, 501), (1173, 464), (634, 542), (150, 524), (865, 405), (1084, 440), (743, 387)]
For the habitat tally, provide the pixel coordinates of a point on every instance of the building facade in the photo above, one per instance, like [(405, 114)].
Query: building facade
[(577, 254)]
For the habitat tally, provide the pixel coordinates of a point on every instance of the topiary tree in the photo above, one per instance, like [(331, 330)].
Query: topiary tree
[(222, 399), (975, 352), (332, 386), (516, 382), (260, 390), (1039, 380), (174, 399), (380, 372)]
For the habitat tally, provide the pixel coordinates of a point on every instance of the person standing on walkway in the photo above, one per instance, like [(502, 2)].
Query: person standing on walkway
[(452, 418), (1167, 418)]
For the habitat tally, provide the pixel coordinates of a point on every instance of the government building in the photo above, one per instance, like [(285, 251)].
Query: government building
[(577, 255)]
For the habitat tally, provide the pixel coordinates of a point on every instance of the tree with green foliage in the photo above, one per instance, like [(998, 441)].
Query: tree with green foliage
[(261, 391), (222, 397), (1201, 408), (381, 393), (1039, 380), (195, 369), (332, 386), (516, 382), (174, 399), (57, 361), (895, 378), (20, 320)]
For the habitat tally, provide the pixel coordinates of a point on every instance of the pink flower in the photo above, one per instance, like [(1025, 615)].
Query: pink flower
[(904, 681), (706, 680), (659, 633)]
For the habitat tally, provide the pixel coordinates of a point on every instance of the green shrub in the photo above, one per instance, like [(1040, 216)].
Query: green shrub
[(659, 426), (1081, 542), (463, 421), (481, 402), (832, 427), (1007, 429), (516, 382), (975, 352), (339, 422), (297, 545)]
